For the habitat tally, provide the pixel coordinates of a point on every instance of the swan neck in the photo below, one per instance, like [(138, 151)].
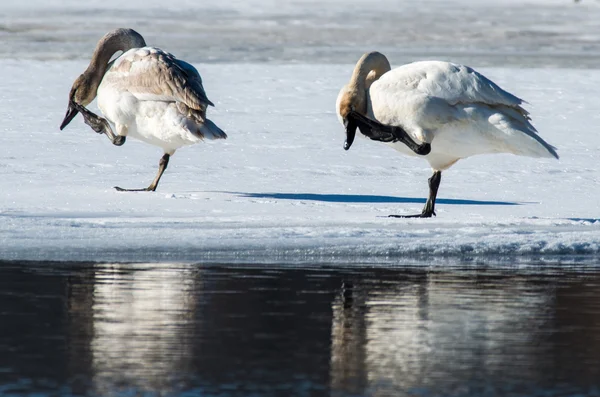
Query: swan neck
[(369, 68), (112, 42)]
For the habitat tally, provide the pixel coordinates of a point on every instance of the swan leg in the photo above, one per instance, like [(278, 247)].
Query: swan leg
[(385, 133), (429, 209), (99, 124), (162, 166)]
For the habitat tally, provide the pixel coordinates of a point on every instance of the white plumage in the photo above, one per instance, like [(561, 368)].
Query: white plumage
[(457, 110), (149, 112), (147, 94)]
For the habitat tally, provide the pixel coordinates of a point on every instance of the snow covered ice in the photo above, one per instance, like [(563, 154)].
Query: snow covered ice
[(281, 187)]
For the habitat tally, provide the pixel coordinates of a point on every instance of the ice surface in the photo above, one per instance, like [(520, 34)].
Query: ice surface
[(538, 33), (281, 188)]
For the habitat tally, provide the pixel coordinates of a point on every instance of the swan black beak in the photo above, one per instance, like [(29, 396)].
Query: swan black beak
[(71, 113), (351, 126)]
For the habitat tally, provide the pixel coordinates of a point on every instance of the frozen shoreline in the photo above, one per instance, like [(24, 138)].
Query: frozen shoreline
[(281, 187), (575, 242)]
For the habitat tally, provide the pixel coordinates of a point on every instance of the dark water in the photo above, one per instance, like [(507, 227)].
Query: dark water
[(197, 330)]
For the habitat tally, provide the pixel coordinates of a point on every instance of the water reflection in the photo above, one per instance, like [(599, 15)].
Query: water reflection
[(443, 332), (127, 329), (142, 318)]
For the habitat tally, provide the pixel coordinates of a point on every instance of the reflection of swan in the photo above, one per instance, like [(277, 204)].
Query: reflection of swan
[(143, 321), (145, 93), (430, 332), (456, 110), (348, 368)]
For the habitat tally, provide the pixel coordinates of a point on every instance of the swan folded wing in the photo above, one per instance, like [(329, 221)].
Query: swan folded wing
[(507, 133), (456, 84), (195, 79), (151, 74)]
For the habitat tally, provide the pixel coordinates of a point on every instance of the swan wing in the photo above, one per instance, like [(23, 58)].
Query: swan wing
[(431, 96), (151, 74), (194, 77), (448, 81), (428, 94)]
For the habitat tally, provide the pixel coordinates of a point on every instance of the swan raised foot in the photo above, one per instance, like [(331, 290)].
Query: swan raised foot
[(381, 132), (98, 124)]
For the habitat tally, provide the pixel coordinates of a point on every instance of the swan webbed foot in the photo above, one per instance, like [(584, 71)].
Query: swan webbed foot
[(429, 209), (146, 189), (387, 133), (162, 166), (119, 140), (423, 149), (423, 214), (98, 124)]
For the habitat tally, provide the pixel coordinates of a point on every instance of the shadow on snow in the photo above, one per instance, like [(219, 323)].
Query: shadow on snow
[(585, 220), (360, 198)]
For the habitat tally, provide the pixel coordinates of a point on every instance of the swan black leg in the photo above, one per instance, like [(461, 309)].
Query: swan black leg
[(429, 209), (99, 124), (382, 133), (162, 166)]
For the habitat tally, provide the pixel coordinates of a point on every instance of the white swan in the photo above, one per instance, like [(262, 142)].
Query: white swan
[(146, 94), (442, 110)]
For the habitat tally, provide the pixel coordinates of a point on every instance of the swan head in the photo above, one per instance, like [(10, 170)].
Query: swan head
[(82, 92), (85, 87), (355, 95), (350, 99)]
